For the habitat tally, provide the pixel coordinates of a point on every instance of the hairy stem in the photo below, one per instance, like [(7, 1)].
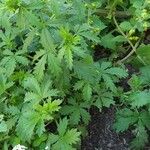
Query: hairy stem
[(118, 14), (134, 47)]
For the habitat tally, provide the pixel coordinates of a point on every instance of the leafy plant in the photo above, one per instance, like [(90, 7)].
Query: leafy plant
[(49, 71), (137, 113), (65, 138)]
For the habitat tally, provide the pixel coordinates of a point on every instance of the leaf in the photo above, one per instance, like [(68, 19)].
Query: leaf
[(29, 39), (75, 115), (77, 112), (9, 64), (4, 84), (62, 126), (107, 72), (29, 96), (54, 65), (3, 127), (10, 61), (37, 92), (65, 138), (124, 119), (26, 125), (40, 68), (69, 58), (119, 72), (104, 99), (145, 75), (85, 116), (137, 4), (144, 118), (109, 83), (40, 127), (135, 83), (72, 136), (143, 53), (87, 92), (140, 99), (125, 26), (86, 70), (32, 84), (141, 137), (90, 36), (46, 40), (78, 85), (22, 60), (108, 41)]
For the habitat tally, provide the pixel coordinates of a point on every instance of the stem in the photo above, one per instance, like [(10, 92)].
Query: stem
[(134, 47), (132, 51), (118, 14), (7, 93)]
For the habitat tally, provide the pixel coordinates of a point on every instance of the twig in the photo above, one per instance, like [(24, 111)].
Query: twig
[(118, 14), (134, 47)]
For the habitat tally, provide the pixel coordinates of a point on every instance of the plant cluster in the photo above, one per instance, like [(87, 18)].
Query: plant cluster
[(49, 77)]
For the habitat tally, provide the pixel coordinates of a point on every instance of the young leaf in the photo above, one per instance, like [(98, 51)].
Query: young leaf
[(87, 92), (124, 119), (140, 99), (141, 137), (77, 112), (65, 138)]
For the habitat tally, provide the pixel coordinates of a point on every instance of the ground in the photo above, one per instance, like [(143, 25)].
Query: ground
[(101, 135)]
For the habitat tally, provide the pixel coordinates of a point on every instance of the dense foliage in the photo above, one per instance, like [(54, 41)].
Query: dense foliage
[(50, 76)]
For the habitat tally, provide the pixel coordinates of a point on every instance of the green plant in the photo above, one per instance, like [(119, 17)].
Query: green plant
[(137, 109), (48, 69)]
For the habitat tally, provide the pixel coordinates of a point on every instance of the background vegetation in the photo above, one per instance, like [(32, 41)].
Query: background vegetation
[(51, 74)]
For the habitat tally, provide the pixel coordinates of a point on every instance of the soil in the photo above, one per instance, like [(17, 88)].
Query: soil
[(101, 135), (100, 52)]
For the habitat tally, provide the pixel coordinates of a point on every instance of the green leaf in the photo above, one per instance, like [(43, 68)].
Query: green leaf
[(69, 58), (126, 26), (90, 36), (40, 67), (38, 92), (65, 139), (3, 127), (72, 136), (46, 40), (25, 128), (62, 126), (119, 72), (144, 117), (40, 127), (28, 40), (104, 98), (143, 53), (77, 112), (140, 99), (145, 75), (78, 85), (54, 65), (4, 84), (135, 83), (109, 83), (108, 41), (141, 137), (87, 92), (124, 119)]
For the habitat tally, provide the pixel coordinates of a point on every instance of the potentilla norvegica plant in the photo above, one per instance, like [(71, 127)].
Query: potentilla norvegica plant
[(49, 76)]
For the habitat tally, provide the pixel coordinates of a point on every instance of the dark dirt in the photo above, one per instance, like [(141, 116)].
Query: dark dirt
[(101, 135), (100, 52), (147, 37)]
